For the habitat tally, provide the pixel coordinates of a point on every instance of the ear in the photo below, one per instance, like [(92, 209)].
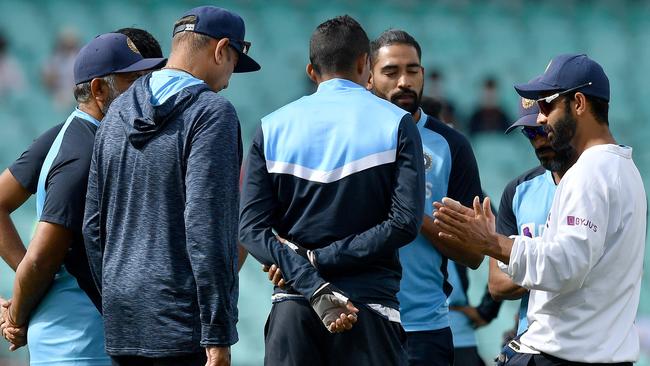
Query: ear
[(221, 51), (369, 84), (313, 75), (580, 104), (362, 63), (99, 90)]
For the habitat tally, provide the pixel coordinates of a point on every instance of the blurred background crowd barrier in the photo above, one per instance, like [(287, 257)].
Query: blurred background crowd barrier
[(473, 52)]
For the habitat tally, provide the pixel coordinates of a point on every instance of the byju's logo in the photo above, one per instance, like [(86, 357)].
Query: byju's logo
[(577, 221)]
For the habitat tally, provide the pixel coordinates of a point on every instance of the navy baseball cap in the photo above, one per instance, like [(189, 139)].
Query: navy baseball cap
[(220, 23), (110, 53), (528, 111), (566, 72)]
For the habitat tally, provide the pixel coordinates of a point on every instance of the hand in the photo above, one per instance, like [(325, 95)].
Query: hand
[(334, 309), (217, 356), (275, 276), (15, 335), (472, 314), (459, 224)]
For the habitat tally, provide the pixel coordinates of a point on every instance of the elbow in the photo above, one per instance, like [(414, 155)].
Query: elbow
[(408, 228), (496, 293)]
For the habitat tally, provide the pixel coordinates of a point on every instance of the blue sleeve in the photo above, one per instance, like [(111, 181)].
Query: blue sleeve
[(404, 219), (211, 209), (91, 231), (257, 219), (506, 221), (464, 178)]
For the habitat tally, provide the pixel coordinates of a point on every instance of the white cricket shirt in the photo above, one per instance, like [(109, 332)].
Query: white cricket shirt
[(585, 271)]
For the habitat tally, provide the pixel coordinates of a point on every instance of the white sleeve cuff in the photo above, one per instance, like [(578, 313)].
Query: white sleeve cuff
[(508, 268)]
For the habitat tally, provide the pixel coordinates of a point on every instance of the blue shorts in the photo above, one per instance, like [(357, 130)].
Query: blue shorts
[(66, 328)]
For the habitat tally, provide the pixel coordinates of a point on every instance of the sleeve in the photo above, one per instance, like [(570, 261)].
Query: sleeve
[(562, 262), (91, 226), (489, 308), (211, 208), (405, 216), (506, 221), (27, 167), (464, 179), (257, 219), (64, 205)]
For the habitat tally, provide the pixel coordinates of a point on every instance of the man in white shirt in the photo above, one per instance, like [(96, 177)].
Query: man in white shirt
[(585, 271)]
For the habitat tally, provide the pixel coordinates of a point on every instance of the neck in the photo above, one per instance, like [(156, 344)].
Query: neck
[(92, 109), (591, 134), (181, 62), (417, 115), (341, 75)]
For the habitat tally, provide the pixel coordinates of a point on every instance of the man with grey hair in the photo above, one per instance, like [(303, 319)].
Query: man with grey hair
[(53, 291), (163, 190)]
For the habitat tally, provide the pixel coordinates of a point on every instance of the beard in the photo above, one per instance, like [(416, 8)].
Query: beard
[(112, 95), (563, 132), (411, 107)]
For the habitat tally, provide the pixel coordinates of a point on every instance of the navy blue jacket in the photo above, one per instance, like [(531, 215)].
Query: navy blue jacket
[(339, 172), (161, 221)]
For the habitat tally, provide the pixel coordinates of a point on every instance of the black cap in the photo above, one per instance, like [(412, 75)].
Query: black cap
[(220, 23), (110, 53)]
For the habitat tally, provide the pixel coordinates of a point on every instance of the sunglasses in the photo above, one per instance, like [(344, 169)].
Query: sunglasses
[(532, 132), (244, 46), (546, 104)]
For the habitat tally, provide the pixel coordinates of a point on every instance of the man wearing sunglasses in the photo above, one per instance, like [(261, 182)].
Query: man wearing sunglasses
[(526, 201), (161, 220), (584, 272)]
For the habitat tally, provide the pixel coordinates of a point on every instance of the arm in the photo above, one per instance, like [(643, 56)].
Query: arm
[(405, 216), (258, 205), (36, 271), (241, 256), (12, 196), (211, 191), (464, 185), (460, 253), (489, 308), (91, 225), (500, 284)]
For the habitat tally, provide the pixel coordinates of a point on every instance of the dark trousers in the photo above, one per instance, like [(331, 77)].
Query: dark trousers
[(523, 359), (430, 348), (195, 359), (467, 356), (295, 336)]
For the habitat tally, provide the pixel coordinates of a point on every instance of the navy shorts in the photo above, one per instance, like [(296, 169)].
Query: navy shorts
[(295, 336), (430, 348)]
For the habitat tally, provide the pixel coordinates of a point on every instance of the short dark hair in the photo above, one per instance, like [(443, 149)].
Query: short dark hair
[(599, 107), (144, 41), (194, 41), (391, 37), (336, 44)]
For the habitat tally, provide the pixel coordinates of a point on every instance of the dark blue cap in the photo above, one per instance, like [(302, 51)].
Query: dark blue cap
[(220, 23), (528, 111), (565, 72), (110, 53)]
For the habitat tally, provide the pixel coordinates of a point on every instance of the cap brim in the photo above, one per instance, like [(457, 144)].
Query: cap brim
[(533, 89), (144, 64), (529, 120), (246, 64)]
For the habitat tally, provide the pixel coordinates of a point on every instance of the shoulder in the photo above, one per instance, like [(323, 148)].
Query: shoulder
[(453, 136), (528, 175)]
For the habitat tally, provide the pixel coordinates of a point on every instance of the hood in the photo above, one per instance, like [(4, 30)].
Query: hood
[(141, 119)]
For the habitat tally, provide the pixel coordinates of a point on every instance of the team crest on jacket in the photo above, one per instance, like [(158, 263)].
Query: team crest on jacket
[(427, 161)]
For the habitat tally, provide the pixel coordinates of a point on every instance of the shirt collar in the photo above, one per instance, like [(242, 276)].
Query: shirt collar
[(338, 84), (423, 118), (85, 116)]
